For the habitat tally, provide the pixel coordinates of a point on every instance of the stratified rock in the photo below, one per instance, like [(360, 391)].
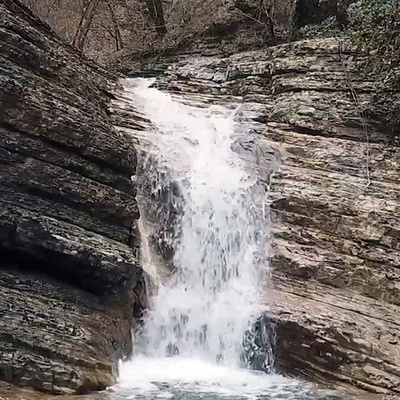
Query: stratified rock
[(70, 282), (335, 201)]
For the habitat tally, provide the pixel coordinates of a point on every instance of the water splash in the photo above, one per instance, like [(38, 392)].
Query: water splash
[(181, 378)]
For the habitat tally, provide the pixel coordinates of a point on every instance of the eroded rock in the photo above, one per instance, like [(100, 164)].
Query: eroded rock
[(334, 202), (70, 282)]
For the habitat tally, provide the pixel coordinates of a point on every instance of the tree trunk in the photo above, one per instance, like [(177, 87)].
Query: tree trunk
[(117, 33), (157, 15), (85, 23)]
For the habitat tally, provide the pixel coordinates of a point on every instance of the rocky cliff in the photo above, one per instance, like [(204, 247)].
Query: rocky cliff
[(70, 282), (333, 174)]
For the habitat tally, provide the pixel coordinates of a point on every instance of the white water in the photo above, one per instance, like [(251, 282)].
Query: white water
[(206, 308), (203, 312), (180, 378)]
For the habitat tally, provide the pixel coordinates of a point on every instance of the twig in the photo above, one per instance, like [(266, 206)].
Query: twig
[(359, 109)]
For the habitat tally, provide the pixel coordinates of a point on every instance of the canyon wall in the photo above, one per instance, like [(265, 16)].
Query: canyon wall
[(70, 282), (332, 171)]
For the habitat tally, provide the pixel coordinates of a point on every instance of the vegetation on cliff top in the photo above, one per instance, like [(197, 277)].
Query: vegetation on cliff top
[(375, 26), (104, 28), (119, 32), (100, 27)]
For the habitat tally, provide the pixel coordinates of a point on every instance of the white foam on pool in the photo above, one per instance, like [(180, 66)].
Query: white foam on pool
[(161, 378)]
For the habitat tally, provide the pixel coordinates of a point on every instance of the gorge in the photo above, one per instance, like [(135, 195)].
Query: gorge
[(281, 167)]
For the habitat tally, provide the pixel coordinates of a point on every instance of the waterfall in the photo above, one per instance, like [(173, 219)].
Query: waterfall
[(203, 325), (215, 294)]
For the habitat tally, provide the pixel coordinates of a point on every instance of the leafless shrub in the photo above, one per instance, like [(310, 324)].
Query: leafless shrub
[(104, 29)]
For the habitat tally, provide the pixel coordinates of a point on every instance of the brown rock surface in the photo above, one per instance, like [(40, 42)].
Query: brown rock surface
[(336, 227), (69, 275)]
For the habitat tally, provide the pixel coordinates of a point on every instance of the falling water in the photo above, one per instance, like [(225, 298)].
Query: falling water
[(205, 309), (193, 335)]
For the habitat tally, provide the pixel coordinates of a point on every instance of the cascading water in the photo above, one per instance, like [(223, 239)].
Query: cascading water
[(204, 310), (193, 337)]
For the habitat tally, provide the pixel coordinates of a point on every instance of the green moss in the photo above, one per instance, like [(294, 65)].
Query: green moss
[(375, 26)]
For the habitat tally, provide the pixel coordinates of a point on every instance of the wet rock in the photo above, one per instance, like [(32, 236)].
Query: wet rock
[(158, 194), (259, 346), (164, 210), (70, 282)]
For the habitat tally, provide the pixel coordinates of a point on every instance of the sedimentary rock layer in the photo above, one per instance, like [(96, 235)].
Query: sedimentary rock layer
[(69, 275), (335, 201)]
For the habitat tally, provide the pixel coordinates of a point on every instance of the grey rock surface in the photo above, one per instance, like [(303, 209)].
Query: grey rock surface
[(70, 282)]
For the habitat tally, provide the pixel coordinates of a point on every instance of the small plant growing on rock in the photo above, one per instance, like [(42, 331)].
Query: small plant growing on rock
[(375, 26)]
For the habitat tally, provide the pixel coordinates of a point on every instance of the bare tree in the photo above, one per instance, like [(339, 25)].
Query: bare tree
[(89, 11), (116, 35), (156, 12)]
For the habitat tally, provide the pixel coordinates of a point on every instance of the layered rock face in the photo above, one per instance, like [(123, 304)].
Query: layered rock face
[(69, 276), (334, 188)]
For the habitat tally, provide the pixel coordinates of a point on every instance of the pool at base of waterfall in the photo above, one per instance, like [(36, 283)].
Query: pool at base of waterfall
[(178, 378)]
